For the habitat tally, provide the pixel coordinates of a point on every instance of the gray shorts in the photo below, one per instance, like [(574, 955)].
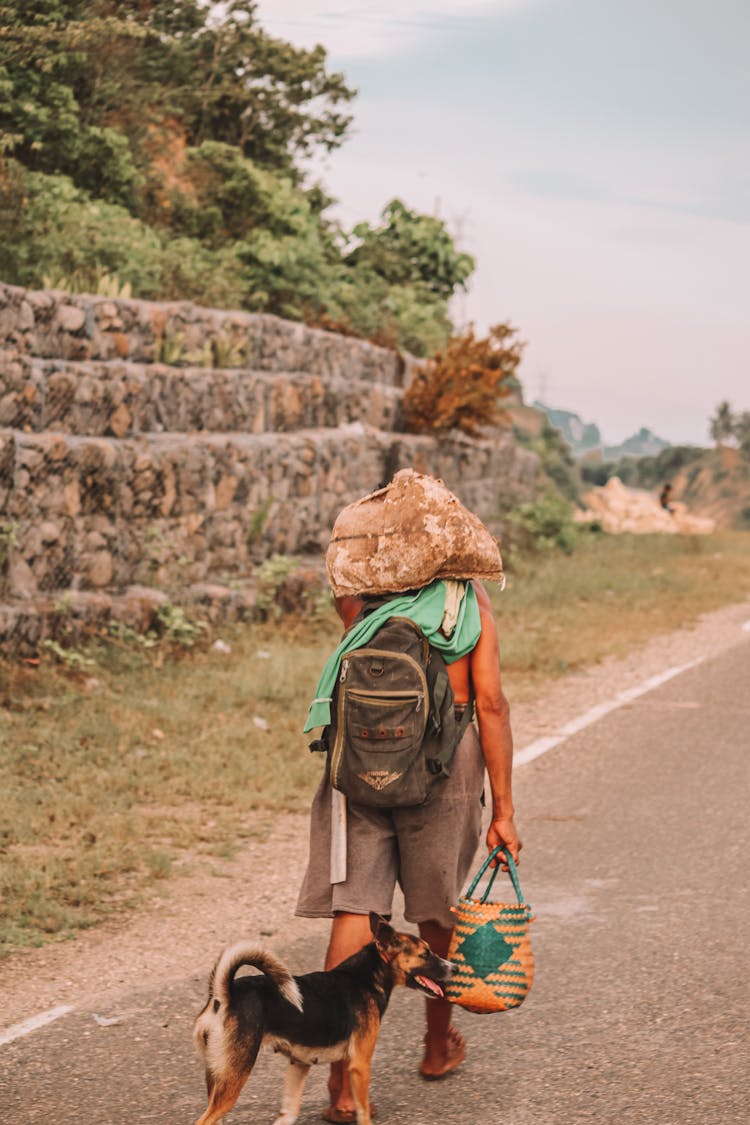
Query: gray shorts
[(428, 849)]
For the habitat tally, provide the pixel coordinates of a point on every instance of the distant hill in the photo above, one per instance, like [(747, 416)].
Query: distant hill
[(643, 444), (582, 437), (585, 439)]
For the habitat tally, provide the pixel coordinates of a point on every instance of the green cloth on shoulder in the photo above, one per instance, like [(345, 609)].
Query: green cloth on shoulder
[(425, 609)]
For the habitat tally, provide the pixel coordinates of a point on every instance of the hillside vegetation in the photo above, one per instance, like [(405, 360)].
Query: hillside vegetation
[(160, 150)]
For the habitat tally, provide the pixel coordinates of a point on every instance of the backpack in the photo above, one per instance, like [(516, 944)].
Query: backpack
[(394, 728)]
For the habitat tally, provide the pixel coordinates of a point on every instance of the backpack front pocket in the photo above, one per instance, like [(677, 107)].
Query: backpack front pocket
[(383, 765), (391, 721)]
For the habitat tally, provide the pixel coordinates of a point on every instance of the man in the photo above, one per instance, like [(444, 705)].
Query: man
[(429, 848), (665, 497)]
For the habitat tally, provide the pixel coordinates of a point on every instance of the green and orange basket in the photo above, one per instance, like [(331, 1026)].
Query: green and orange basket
[(491, 947)]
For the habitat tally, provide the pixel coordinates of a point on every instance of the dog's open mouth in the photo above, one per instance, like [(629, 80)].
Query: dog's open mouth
[(427, 985)]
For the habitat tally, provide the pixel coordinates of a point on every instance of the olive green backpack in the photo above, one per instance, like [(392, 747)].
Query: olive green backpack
[(394, 728)]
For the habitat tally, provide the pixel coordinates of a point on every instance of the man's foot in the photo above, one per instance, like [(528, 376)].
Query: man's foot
[(333, 1113), (336, 1114), (443, 1057)]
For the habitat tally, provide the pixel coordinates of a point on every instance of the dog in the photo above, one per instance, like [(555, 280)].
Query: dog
[(316, 1017)]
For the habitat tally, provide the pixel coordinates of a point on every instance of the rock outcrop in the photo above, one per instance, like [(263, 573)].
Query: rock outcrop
[(619, 509)]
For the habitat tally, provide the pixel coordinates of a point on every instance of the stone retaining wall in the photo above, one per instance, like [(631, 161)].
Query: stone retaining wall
[(119, 399), (81, 327), (120, 471), (172, 510)]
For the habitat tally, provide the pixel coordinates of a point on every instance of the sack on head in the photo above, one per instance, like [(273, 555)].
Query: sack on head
[(405, 536)]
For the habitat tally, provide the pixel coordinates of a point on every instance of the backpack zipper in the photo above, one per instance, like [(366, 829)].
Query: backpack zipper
[(393, 698), (339, 742)]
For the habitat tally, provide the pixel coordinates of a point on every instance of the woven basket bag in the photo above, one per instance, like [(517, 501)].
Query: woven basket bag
[(491, 948)]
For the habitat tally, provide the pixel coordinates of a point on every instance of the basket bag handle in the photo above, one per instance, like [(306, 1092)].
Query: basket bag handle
[(512, 871)]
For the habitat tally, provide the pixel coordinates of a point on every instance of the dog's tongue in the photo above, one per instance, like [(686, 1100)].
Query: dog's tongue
[(430, 985)]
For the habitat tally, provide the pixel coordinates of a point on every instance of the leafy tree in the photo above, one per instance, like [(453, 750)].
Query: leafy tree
[(721, 426), (411, 249), (82, 79), (741, 430), (60, 236), (462, 387), (646, 472), (162, 142)]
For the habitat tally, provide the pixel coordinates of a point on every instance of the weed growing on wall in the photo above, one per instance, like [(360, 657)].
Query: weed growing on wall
[(463, 386)]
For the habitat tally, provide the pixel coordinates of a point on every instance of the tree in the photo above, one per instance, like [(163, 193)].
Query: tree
[(411, 249), (163, 141), (393, 281), (721, 426), (86, 83), (741, 430)]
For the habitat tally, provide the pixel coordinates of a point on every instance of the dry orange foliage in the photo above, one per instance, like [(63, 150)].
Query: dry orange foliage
[(462, 386)]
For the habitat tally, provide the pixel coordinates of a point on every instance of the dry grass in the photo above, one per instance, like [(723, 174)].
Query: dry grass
[(112, 775), (612, 594)]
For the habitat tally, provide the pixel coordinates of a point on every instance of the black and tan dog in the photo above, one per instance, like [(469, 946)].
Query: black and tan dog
[(317, 1017)]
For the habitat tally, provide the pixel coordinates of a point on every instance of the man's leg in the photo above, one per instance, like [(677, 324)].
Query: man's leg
[(444, 1047), (349, 933)]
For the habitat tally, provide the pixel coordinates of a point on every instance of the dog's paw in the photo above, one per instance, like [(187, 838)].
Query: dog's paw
[(286, 1119)]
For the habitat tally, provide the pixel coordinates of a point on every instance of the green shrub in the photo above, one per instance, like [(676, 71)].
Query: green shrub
[(541, 526), (53, 232), (53, 229), (558, 463), (271, 575)]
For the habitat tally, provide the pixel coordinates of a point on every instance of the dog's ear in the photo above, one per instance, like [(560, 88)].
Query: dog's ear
[(382, 931)]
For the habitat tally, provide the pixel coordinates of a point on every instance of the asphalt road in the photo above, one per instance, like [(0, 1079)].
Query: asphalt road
[(636, 835)]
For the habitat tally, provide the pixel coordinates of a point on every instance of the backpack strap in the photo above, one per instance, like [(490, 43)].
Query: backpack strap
[(440, 686)]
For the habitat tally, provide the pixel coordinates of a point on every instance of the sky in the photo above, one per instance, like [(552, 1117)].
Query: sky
[(594, 157)]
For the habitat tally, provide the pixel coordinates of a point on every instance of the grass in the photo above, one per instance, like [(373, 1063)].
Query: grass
[(560, 613), (135, 762)]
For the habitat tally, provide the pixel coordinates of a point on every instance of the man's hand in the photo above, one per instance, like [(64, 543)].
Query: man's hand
[(502, 833)]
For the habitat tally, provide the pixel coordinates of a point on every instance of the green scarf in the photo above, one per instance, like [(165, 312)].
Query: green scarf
[(425, 609)]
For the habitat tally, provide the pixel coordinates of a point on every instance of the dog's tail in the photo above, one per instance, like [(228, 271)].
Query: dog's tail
[(241, 954)]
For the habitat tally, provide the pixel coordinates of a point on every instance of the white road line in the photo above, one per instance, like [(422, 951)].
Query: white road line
[(548, 742), (33, 1024)]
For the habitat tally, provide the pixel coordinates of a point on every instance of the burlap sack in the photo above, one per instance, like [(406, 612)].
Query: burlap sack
[(405, 536)]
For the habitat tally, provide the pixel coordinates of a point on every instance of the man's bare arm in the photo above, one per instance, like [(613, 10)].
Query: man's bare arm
[(493, 716)]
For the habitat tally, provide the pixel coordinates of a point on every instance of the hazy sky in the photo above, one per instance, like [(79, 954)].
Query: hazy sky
[(594, 155)]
